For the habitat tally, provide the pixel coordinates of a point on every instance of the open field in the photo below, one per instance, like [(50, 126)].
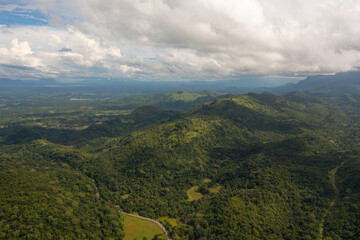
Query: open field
[(136, 228)]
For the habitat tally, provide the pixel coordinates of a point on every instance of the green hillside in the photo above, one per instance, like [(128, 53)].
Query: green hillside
[(237, 167), (44, 198)]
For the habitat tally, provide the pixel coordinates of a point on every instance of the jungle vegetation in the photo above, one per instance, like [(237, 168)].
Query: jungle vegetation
[(253, 166)]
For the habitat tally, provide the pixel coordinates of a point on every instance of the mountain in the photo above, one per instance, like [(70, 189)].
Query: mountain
[(324, 85), (15, 85), (254, 166), (6, 83)]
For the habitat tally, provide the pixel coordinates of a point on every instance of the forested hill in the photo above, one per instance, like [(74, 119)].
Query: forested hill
[(141, 118), (253, 166)]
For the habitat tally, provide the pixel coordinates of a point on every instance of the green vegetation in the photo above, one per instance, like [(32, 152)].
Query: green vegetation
[(71, 110), (193, 194), (252, 166), (215, 189), (172, 221), (342, 220), (47, 202)]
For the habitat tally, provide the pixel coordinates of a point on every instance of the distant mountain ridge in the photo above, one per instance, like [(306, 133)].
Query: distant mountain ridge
[(12, 84), (317, 85), (137, 87), (6, 83), (324, 85)]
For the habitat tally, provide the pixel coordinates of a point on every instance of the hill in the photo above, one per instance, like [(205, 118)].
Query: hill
[(252, 166), (44, 198), (140, 118)]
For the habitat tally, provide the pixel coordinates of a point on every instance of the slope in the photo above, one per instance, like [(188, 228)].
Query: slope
[(42, 197)]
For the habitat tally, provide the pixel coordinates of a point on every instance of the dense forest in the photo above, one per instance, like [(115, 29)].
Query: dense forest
[(254, 166)]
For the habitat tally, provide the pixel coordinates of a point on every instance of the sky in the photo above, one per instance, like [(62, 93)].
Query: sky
[(177, 40)]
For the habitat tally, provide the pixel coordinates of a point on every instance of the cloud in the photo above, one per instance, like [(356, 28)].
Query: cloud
[(17, 67), (204, 38), (19, 53), (79, 55), (65, 50)]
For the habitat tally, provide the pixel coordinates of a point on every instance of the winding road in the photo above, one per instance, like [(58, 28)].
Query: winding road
[(137, 216)]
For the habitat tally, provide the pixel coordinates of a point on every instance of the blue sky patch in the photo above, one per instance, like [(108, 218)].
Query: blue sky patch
[(15, 2), (23, 17)]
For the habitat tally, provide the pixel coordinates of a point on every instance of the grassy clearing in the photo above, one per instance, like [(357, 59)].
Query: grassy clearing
[(207, 180), (193, 194), (136, 228), (173, 221), (215, 189), (125, 196)]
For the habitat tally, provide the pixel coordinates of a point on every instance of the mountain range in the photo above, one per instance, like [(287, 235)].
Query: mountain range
[(324, 85), (317, 85)]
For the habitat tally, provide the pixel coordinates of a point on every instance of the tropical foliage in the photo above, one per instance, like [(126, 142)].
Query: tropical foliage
[(238, 167)]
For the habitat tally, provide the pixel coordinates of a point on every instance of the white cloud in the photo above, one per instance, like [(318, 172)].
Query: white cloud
[(20, 49), (39, 54), (20, 54), (207, 37)]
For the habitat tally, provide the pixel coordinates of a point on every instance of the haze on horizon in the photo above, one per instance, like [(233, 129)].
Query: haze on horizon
[(177, 40)]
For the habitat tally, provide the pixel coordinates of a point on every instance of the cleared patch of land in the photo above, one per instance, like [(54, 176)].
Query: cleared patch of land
[(193, 194), (215, 189), (173, 221), (125, 196), (136, 228), (207, 180)]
